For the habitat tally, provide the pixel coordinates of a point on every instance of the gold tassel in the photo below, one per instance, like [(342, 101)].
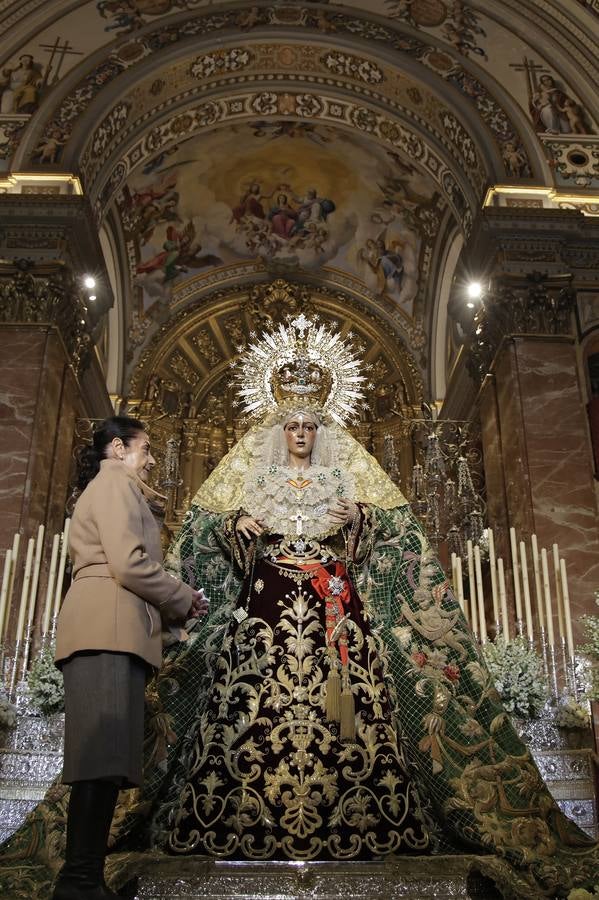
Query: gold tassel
[(348, 714), (333, 697)]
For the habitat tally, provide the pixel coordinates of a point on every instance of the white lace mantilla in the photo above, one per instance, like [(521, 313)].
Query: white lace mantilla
[(295, 503)]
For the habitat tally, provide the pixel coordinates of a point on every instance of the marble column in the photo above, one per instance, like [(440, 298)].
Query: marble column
[(49, 374), (37, 409), (538, 458), (518, 371)]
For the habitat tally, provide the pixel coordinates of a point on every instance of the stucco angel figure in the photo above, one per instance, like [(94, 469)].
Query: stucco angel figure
[(334, 704)]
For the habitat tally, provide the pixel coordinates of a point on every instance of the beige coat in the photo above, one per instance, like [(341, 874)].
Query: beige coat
[(120, 597)]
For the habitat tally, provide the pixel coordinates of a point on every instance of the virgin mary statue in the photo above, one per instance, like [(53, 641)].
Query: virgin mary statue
[(334, 704)]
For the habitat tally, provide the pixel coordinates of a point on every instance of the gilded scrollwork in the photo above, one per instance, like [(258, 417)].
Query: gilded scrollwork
[(51, 296)]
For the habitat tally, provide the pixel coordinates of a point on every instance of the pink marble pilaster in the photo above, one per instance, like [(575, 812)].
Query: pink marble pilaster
[(39, 398), (538, 460)]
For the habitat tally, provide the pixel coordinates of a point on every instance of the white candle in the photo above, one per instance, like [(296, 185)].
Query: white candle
[(538, 587), (547, 592), (50, 585), (567, 613), (481, 599), (460, 584), (505, 624), (11, 581), (527, 606), (61, 566), (4, 591), (516, 577), (472, 585), (25, 590), (558, 592), (453, 578), (35, 575), (492, 565)]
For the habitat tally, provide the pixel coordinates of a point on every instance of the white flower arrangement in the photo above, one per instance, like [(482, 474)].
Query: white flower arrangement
[(572, 714), (45, 684), (590, 625), (8, 713), (518, 675)]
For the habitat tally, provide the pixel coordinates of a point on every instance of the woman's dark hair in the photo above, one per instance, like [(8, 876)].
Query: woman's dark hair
[(89, 456)]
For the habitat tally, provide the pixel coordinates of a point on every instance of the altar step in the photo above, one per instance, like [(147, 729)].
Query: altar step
[(30, 759), (413, 878)]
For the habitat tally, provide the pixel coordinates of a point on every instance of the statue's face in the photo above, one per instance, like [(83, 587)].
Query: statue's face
[(300, 434)]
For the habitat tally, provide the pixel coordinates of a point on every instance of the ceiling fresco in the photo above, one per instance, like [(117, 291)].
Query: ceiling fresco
[(472, 50), (472, 31), (344, 145), (294, 196)]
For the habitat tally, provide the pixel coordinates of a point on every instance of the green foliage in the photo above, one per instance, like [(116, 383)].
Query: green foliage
[(45, 684), (518, 675)]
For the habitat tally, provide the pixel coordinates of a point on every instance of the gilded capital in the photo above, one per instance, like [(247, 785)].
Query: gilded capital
[(536, 305)]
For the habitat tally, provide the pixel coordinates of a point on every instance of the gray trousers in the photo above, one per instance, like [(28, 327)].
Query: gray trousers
[(104, 717)]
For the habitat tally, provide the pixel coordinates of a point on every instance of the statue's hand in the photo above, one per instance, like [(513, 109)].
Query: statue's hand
[(344, 512), (249, 527), (199, 604)]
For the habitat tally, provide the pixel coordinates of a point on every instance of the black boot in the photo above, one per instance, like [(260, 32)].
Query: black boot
[(91, 808)]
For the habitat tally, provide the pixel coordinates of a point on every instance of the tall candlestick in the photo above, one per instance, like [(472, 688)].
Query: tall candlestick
[(472, 586), (61, 566), (538, 587), (516, 579), (4, 591), (50, 585), (25, 590), (492, 565), (481, 599), (503, 600), (458, 572), (567, 613), (547, 592), (35, 575), (527, 606), (558, 592)]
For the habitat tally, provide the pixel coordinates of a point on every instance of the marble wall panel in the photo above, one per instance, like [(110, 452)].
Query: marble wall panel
[(497, 514), (560, 467), (21, 355), (513, 442), (39, 403), (45, 428), (510, 440)]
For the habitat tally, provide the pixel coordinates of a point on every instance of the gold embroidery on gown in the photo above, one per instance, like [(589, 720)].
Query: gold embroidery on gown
[(268, 775)]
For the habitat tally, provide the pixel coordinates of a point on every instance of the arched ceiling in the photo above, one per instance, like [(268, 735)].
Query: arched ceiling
[(342, 145), (191, 354)]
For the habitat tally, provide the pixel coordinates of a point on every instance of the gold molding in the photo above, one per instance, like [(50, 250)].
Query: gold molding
[(552, 195), (18, 180)]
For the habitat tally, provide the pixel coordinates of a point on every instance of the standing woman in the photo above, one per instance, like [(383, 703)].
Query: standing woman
[(108, 640)]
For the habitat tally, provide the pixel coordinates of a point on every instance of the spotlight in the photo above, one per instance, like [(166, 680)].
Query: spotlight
[(92, 296), (474, 290), (89, 282), (470, 305)]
